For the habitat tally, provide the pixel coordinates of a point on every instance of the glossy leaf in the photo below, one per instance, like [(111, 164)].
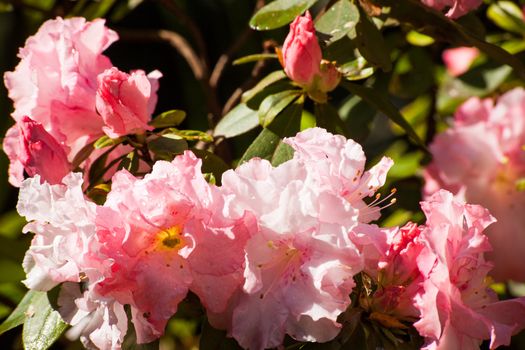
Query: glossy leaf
[(272, 105), (190, 135), (130, 162), (279, 13), (239, 120), (339, 20), (19, 314), (370, 42), (263, 83), (106, 141), (254, 58), (168, 119), (211, 163), (327, 117), (383, 104), (285, 125), (42, 325), (167, 147)]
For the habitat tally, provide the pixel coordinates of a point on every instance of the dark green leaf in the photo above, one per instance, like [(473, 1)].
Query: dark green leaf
[(327, 117), (190, 135), (261, 85), (272, 105), (168, 119), (238, 121), (254, 58), (279, 13), (358, 117), (286, 124), (166, 147), (339, 20), (42, 325), (357, 69), (211, 163), (370, 42), (97, 168), (130, 162), (383, 104), (283, 153), (19, 314), (106, 141)]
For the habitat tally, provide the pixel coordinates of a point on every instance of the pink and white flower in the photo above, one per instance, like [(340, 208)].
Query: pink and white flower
[(301, 261), (481, 159), (458, 310)]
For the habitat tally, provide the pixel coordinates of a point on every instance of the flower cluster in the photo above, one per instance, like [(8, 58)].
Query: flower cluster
[(274, 251), (67, 94)]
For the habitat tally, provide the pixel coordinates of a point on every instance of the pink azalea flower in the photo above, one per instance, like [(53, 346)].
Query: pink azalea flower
[(56, 79), (301, 260), (164, 235), (458, 310), (456, 8), (31, 148), (123, 101), (338, 164), (64, 225), (458, 60), (480, 158)]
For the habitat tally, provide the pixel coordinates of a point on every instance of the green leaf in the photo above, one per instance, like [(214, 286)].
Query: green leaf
[(436, 25), (370, 42), (167, 147), (254, 58), (239, 120), (130, 162), (339, 20), (358, 117), (283, 153), (285, 124), (42, 325), (272, 105), (279, 13), (19, 314), (106, 141), (417, 39), (356, 70), (211, 163), (168, 119), (507, 15), (327, 117), (264, 83), (383, 104), (190, 135)]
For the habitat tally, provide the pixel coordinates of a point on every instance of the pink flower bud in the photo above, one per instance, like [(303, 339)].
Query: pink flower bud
[(123, 101), (301, 51), (31, 148)]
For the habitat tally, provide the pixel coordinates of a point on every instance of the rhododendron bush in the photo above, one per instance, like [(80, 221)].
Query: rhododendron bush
[(287, 174)]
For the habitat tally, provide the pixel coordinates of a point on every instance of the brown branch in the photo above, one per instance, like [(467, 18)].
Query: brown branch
[(227, 56), (186, 21)]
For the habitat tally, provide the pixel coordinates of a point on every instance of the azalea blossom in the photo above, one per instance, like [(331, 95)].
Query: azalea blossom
[(32, 149), (458, 309), (481, 159), (301, 260)]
